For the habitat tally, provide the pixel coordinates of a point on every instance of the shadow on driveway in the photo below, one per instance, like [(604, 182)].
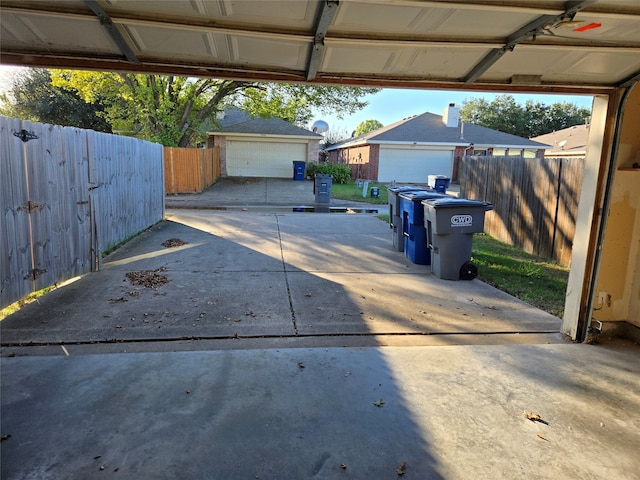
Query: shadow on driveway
[(76, 403)]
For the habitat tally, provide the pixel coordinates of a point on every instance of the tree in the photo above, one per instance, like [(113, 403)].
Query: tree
[(33, 97), (530, 120), (367, 126), (333, 136), (177, 111)]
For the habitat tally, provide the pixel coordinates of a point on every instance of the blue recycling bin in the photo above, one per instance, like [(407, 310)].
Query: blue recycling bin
[(298, 170), (439, 183), (413, 229), (395, 213)]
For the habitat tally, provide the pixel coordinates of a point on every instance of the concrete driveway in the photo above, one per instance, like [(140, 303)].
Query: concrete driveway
[(301, 345), (319, 278)]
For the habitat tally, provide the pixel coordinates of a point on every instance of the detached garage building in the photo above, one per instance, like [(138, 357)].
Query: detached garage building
[(261, 147), (427, 144)]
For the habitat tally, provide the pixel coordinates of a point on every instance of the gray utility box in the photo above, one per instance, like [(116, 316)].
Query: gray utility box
[(450, 225), (322, 187), (395, 214)]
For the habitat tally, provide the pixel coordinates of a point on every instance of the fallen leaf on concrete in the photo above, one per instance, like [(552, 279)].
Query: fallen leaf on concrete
[(300, 365), (97, 457), (174, 242), (118, 300), (101, 467), (534, 417), (402, 468), (4, 437), (343, 466), (379, 403)]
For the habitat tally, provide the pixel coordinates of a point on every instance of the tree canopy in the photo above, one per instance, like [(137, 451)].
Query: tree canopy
[(367, 126), (177, 111), (33, 97), (529, 120)]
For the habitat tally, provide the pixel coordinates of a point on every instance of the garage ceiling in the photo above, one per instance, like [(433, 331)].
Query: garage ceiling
[(585, 46)]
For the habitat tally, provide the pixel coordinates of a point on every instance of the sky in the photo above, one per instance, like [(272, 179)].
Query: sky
[(392, 105)]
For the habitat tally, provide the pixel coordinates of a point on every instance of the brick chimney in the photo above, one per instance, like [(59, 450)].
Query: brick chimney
[(451, 115)]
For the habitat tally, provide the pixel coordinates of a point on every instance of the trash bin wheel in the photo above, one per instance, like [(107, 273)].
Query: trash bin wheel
[(468, 271)]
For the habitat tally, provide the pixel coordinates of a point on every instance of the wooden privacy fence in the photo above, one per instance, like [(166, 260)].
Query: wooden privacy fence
[(535, 200), (190, 170), (67, 195)]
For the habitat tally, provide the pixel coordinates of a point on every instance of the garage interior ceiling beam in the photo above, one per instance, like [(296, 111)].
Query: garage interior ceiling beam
[(111, 29), (529, 31), (328, 10), (441, 44)]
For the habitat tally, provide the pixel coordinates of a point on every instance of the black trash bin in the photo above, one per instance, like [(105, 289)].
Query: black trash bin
[(450, 225), (298, 170), (322, 187)]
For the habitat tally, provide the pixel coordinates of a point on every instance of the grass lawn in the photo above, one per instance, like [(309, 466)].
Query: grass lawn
[(535, 280), (350, 191)]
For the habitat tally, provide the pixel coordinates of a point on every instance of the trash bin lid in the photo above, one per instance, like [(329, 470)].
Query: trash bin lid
[(451, 202), (405, 188), (418, 195)]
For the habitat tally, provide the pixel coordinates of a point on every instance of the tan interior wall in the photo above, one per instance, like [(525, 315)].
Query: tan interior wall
[(619, 274)]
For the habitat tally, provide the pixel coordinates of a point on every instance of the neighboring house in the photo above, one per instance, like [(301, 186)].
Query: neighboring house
[(568, 143), (261, 147), (427, 144)]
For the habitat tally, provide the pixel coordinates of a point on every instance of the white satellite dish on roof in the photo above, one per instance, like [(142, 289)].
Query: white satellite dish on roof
[(319, 126), (562, 144)]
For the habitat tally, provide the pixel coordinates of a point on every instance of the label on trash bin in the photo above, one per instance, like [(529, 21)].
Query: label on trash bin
[(461, 220)]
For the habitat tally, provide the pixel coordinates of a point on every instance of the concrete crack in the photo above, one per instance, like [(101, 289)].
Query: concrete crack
[(286, 280)]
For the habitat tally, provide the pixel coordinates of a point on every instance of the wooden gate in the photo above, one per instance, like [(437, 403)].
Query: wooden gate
[(67, 195), (47, 222)]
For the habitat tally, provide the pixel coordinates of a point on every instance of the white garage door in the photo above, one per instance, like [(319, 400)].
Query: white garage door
[(263, 159), (413, 164)]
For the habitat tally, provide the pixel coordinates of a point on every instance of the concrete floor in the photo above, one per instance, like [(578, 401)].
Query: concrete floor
[(445, 412), (302, 346)]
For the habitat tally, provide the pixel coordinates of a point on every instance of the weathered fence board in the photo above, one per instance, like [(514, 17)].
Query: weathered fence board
[(190, 170), (535, 200), (88, 192)]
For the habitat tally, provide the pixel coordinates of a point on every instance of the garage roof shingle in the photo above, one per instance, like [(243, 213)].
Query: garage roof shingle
[(238, 121)]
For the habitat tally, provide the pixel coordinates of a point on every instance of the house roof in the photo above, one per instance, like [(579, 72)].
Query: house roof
[(428, 129), (570, 141), (236, 121)]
